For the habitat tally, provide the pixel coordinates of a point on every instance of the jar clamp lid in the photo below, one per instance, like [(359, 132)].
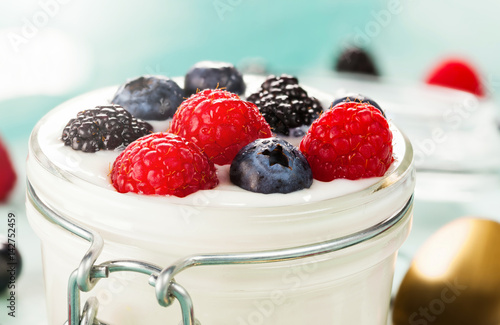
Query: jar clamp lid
[(84, 278)]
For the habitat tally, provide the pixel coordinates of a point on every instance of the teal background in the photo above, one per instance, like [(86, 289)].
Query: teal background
[(89, 44)]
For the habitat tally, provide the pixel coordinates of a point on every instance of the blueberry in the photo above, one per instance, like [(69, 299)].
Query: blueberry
[(150, 97), (356, 60), (212, 75), (357, 98), (270, 165), (10, 264)]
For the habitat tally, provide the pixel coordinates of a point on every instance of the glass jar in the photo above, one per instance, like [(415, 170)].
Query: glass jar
[(366, 221)]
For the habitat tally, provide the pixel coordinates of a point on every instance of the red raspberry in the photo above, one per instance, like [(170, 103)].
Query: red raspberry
[(213, 94), (220, 123), (7, 173), (163, 164), (456, 74), (352, 140)]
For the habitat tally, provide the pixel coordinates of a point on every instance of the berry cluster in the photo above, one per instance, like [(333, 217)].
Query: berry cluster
[(209, 127), (216, 127)]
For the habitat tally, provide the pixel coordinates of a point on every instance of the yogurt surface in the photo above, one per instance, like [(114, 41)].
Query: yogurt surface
[(94, 168)]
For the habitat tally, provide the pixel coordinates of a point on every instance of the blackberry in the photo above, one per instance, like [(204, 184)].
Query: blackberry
[(104, 127), (356, 60), (284, 104)]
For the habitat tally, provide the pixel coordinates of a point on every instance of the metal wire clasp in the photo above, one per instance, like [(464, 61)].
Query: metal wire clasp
[(86, 276), (167, 290)]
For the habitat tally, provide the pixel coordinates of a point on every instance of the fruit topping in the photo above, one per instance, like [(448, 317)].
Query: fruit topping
[(359, 99), (352, 141), (7, 173), (163, 164), (213, 75), (10, 263), (284, 104), (104, 127), (150, 97), (220, 123), (456, 74), (271, 166), (356, 60)]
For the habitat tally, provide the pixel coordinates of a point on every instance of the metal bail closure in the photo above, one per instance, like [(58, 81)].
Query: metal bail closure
[(89, 312), (88, 274)]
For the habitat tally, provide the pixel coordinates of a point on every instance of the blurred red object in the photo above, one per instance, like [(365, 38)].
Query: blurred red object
[(7, 173), (457, 74)]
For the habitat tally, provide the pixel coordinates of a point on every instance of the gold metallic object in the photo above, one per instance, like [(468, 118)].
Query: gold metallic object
[(454, 278)]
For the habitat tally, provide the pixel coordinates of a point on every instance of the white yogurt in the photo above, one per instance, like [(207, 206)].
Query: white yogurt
[(95, 168), (350, 286)]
